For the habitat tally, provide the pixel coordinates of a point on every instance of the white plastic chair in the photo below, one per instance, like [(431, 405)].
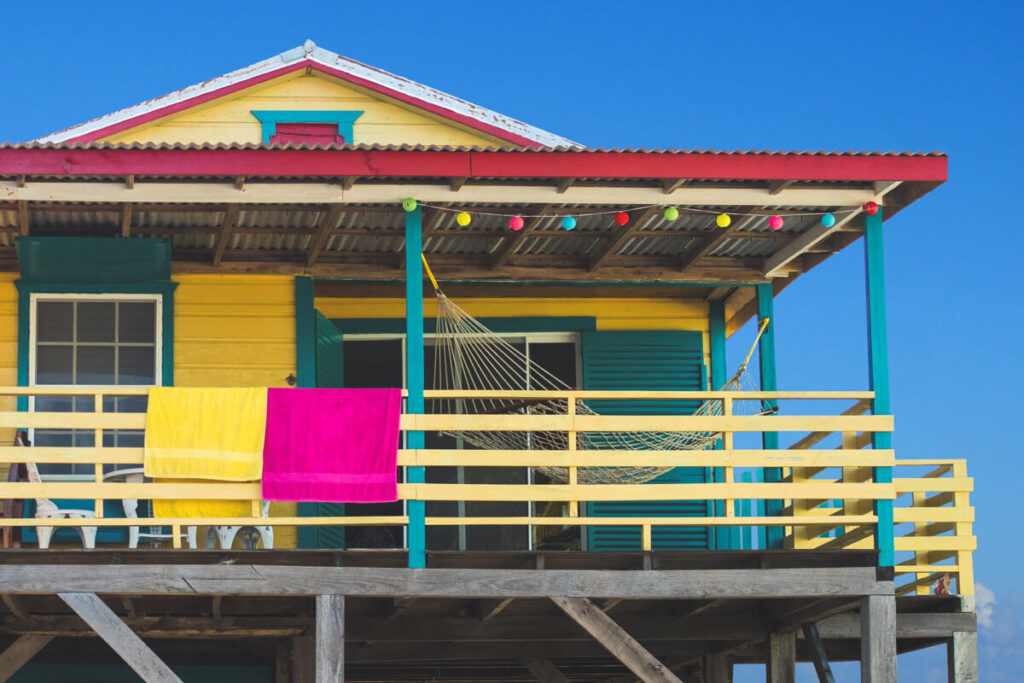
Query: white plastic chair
[(47, 509), (153, 534), (226, 534)]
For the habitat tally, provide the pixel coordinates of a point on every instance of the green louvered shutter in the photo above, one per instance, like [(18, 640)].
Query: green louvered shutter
[(330, 369), (650, 360)]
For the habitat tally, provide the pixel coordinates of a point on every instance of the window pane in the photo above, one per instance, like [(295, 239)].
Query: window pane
[(53, 365), (53, 321), (53, 404), (96, 321), (136, 365), (95, 365), (137, 322)]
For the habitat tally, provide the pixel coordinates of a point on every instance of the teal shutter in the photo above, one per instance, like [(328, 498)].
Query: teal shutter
[(330, 372), (666, 360)]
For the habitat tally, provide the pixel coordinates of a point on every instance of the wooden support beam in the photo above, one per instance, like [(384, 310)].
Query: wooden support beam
[(119, 637), (781, 657), (129, 182), (818, 655), (434, 217), (126, 220), (777, 186), (328, 222), (625, 648), (878, 639), (347, 182), (704, 246), (15, 605), (227, 226), (608, 605), (399, 606), (564, 184), (614, 241), (962, 657), (456, 183), (19, 653), (239, 182), (23, 226), (330, 639), (22, 182), (718, 668), (672, 184), (488, 609), (513, 241), (543, 670), (129, 606)]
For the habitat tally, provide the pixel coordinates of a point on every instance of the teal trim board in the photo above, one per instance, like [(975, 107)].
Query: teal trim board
[(415, 370), (500, 325), (878, 369), (269, 119), (769, 440), (726, 538), (93, 260)]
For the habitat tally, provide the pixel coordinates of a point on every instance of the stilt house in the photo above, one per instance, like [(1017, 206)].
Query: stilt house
[(268, 228)]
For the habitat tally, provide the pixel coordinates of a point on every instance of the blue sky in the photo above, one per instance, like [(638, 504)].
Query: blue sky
[(869, 75)]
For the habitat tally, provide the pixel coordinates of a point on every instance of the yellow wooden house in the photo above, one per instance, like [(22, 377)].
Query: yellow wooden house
[(269, 228)]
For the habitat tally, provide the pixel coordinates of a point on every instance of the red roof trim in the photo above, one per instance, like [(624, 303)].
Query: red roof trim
[(480, 164), (461, 119)]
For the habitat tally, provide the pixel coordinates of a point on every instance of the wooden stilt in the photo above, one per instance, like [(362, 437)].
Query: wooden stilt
[(962, 657), (18, 654), (330, 638), (119, 637), (303, 659), (878, 639), (781, 666), (717, 668), (625, 648)]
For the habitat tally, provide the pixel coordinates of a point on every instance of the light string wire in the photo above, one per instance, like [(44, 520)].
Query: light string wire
[(709, 212)]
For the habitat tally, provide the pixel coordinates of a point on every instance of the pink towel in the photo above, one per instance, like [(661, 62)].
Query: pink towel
[(332, 445)]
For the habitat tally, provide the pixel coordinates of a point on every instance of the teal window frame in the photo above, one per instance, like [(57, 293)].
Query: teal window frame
[(270, 118)]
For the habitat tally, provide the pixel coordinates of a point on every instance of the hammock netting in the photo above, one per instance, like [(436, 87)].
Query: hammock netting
[(470, 357)]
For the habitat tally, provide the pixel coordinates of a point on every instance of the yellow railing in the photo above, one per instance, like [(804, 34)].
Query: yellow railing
[(815, 477)]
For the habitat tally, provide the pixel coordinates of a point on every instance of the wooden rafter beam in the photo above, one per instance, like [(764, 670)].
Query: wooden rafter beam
[(777, 186), (456, 183), (119, 637), (615, 241), (543, 670), (434, 218), (326, 225), (623, 646), (227, 227), (671, 185), (239, 182), (347, 182), (515, 239), (21, 181), (129, 182), (564, 184), (488, 609), (705, 245)]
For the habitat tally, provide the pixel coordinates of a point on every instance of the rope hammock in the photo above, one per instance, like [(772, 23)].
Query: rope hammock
[(470, 357)]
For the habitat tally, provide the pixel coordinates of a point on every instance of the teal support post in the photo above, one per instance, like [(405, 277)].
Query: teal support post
[(878, 368), (726, 538), (415, 376), (769, 440), (305, 333)]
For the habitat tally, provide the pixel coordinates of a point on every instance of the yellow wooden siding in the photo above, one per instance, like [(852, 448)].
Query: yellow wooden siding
[(236, 330), (610, 313), (8, 352), (228, 119)]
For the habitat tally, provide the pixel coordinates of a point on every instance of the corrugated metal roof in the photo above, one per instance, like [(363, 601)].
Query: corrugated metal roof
[(450, 148)]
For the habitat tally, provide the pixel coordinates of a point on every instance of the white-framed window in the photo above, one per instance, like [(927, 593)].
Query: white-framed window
[(95, 340)]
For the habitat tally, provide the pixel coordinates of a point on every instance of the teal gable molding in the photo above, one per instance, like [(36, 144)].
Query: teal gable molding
[(93, 260), (270, 118), (878, 369)]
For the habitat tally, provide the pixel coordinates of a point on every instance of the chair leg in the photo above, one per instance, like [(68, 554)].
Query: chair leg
[(226, 535), (44, 533), (133, 537), (190, 535), (88, 536), (267, 536)]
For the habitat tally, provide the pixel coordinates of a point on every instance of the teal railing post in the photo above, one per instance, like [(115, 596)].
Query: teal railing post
[(769, 440), (414, 376), (878, 368), (726, 538)]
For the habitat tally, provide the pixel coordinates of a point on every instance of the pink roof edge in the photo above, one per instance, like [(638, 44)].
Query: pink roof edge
[(388, 84)]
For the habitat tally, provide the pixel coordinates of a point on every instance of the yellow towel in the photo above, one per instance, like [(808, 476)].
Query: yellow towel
[(204, 434)]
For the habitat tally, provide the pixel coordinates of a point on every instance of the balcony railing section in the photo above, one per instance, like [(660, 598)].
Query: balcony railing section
[(829, 492)]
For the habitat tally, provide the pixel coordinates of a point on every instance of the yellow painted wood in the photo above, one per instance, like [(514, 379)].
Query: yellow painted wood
[(825, 521), (653, 395), (74, 420), (956, 543), (228, 119), (961, 500), (929, 568), (612, 492), (955, 484), (925, 514), (394, 520), (118, 491)]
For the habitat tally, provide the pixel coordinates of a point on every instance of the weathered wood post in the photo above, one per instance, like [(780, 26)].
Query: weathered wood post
[(878, 639)]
